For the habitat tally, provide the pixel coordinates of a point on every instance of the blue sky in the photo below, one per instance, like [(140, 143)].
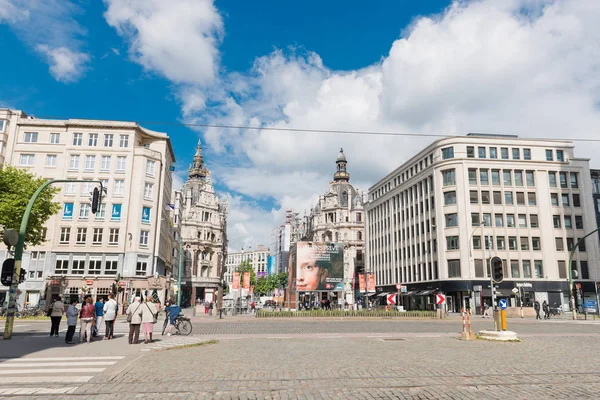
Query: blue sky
[(510, 66)]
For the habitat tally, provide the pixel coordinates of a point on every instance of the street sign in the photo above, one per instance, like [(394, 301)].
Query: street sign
[(391, 299), (503, 304), (515, 290), (440, 299), (398, 286), (403, 289)]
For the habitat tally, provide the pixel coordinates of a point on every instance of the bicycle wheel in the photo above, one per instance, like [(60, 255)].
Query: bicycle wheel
[(165, 326), (184, 327)]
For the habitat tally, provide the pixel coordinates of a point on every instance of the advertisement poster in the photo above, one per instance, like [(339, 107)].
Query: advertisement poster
[(145, 215), (246, 280), (372, 283), (236, 281), (362, 283), (115, 214), (68, 211), (319, 266)]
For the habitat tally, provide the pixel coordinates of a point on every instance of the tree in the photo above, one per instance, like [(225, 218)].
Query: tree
[(263, 286), (16, 188), (246, 266), (281, 280)]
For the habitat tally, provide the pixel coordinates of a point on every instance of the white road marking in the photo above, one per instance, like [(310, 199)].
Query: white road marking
[(46, 379), (25, 359), (54, 371), (56, 364)]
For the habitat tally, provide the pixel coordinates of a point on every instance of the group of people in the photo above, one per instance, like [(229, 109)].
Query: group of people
[(544, 307), (91, 315)]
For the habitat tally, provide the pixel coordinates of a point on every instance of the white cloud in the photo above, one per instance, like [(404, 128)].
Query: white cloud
[(177, 39), (50, 28)]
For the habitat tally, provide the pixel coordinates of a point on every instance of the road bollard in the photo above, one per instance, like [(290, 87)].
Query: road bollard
[(464, 334), (503, 319), (471, 333)]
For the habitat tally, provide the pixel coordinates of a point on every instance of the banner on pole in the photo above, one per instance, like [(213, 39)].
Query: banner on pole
[(371, 287), (236, 281), (246, 280), (362, 283)]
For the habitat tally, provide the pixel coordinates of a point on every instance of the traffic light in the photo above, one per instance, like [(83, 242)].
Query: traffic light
[(497, 270), (8, 269), (22, 275), (95, 200)]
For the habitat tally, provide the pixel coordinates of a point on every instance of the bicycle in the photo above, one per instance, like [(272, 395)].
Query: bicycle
[(182, 325)]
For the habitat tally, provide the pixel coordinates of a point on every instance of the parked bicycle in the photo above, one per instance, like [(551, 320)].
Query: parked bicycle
[(182, 325)]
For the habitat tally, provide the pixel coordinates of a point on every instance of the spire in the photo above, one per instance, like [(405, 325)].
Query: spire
[(341, 175), (197, 169)]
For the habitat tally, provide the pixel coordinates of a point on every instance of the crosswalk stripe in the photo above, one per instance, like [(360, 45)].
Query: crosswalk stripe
[(56, 364), (53, 371), (26, 359), (45, 379)]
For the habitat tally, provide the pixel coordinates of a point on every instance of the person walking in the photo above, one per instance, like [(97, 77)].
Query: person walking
[(149, 318), (536, 306), (110, 315), (99, 314), (546, 310), (206, 307), (72, 313), (57, 309), (486, 310), (210, 308), (253, 307), (87, 316), (134, 317)]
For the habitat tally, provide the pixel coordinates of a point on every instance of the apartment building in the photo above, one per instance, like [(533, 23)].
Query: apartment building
[(434, 221), (258, 260), (126, 241)]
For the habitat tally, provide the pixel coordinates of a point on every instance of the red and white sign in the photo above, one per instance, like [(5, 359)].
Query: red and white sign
[(55, 282), (391, 299), (89, 282), (398, 286), (122, 283), (440, 299)]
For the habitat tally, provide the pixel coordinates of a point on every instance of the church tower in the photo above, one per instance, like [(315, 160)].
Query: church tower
[(341, 175)]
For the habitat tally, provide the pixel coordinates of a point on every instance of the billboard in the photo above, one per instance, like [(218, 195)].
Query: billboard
[(270, 262), (318, 266)]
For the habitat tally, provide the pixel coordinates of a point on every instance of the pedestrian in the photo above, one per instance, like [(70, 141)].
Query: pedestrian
[(173, 310), (99, 314), (149, 318), (72, 313), (57, 309), (87, 317), (536, 306), (206, 307), (546, 310), (253, 307), (486, 310), (110, 315), (211, 305), (134, 317)]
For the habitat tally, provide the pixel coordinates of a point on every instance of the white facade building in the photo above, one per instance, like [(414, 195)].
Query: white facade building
[(203, 231), (258, 261), (428, 221), (85, 253)]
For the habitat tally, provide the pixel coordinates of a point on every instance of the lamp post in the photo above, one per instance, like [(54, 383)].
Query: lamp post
[(571, 253), (482, 223), (179, 272)]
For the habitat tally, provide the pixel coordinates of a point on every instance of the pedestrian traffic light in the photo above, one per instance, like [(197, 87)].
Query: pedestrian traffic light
[(95, 200), (8, 269), (497, 270), (22, 275)]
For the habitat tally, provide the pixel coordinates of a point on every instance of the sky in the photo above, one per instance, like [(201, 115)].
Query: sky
[(525, 67)]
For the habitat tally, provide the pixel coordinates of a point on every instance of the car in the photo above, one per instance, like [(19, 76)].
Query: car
[(269, 303)]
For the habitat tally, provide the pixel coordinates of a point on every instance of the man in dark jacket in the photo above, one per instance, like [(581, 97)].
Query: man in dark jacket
[(546, 310), (536, 306)]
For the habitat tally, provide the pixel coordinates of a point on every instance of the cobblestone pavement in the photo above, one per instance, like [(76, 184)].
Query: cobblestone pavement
[(555, 360)]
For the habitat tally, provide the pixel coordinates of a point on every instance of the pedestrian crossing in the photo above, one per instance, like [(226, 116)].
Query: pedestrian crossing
[(50, 375)]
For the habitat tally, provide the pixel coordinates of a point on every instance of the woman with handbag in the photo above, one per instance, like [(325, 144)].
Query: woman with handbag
[(110, 314), (87, 315), (55, 312), (149, 318), (134, 317)]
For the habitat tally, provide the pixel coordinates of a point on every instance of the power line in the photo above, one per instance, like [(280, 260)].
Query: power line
[(333, 131)]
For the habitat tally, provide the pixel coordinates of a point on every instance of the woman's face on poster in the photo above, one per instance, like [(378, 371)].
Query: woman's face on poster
[(309, 276)]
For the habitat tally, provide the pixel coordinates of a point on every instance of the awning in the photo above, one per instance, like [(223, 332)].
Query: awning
[(426, 292), (383, 294)]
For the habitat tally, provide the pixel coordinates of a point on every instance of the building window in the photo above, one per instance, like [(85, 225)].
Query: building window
[(504, 153), (578, 222), (451, 220), (449, 197), (113, 236), (140, 268), (507, 177), (570, 244), (110, 267), (78, 267), (499, 220), (470, 151), (97, 237), (496, 177), (554, 199), (476, 242), (531, 200), (93, 140), (560, 156), (585, 274), (26, 160), (452, 242), (453, 268), (51, 160), (512, 243), (516, 154), (510, 220), (77, 139), (514, 269), (581, 246), (144, 238), (54, 138), (500, 245), (493, 152), (535, 243), (95, 267), (485, 197), (576, 200), (533, 221), (101, 211), (121, 163), (448, 152), (448, 177), (119, 187), (475, 219), (549, 155), (520, 198), (74, 162), (474, 196), (358, 217), (552, 179), (519, 178), (526, 269), (108, 140), (574, 182), (481, 152), (61, 267), (84, 211), (524, 243), (472, 176), (31, 137), (508, 198), (483, 177), (81, 235), (487, 219), (105, 164), (565, 199), (359, 235), (556, 221), (497, 197), (123, 141), (560, 244), (563, 180), (90, 163), (568, 223), (65, 235), (150, 167), (526, 154), (530, 178), (148, 188)]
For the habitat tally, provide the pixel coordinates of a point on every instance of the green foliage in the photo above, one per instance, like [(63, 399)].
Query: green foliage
[(16, 188), (246, 266), (266, 285)]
